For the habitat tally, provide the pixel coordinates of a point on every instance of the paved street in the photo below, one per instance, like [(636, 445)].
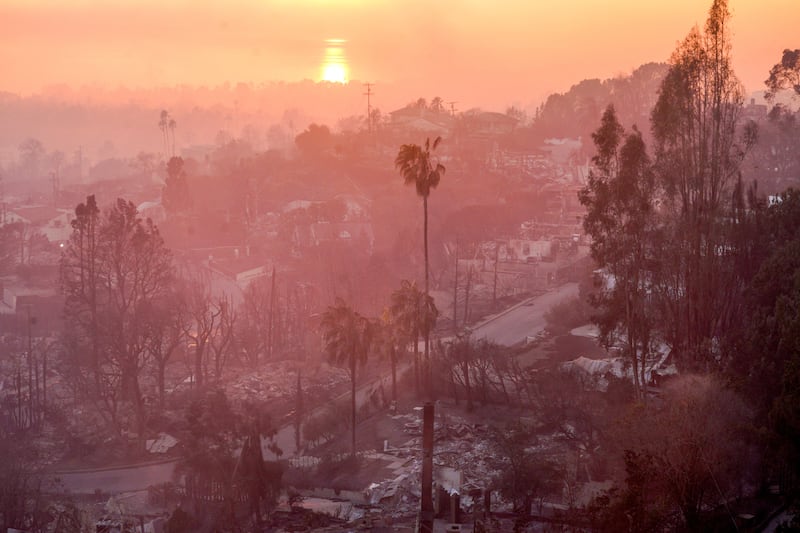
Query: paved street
[(114, 480), (514, 325)]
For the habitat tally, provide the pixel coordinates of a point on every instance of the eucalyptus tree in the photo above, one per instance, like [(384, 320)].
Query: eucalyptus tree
[(621, 219), (699, 151), (785, 75)]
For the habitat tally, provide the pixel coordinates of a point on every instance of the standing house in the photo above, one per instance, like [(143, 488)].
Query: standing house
[(528, 250), (490, 124), (414, 118)]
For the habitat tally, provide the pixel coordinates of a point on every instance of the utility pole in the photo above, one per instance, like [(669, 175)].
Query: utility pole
[(466, 294), (271, 341), (494, 285), (455, 295), (452, 107), (368, 94)]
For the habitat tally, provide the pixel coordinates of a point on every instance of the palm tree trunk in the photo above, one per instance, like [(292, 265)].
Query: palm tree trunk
[(455, 295), (394, 372), (427, 364), (416, 365), (353, 399)]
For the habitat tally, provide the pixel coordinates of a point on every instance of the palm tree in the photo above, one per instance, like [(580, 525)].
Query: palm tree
[(413, 314), (437, 105), (417, 167), (387, 339), (163, 125), (347, 337), (172, 126)]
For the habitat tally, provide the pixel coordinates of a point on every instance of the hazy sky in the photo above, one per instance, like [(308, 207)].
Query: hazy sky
[(467, 50)]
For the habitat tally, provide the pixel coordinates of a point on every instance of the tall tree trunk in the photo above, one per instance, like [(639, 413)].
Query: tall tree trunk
[(140, 411), (455, 295), (494, 284), (31, 406), (161, 392), (393, 355), (466, 295), (416, 365), (427, 365), (44, 382), (198, 363), (298, 420), (353, 399), (271, 315)]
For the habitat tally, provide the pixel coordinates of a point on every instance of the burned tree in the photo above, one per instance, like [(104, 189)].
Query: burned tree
[(113, 269)]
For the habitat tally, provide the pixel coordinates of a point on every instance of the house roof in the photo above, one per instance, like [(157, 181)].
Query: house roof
[(424, 124), (408, 114), (39, 214), (492, 116), (148, 205), (345, 231)]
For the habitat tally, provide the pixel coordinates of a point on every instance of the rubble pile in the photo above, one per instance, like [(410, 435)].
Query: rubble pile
[(460, 462), (277, 380)]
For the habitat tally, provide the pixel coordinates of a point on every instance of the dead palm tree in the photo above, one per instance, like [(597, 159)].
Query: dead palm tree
[(347, 337), (418, 167)]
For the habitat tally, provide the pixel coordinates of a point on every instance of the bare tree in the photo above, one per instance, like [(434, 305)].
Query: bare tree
[(222, 337), (202, 319), (166, 336), (112, 272)]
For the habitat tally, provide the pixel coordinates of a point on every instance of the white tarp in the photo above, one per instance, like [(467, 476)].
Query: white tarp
[(162, 444)]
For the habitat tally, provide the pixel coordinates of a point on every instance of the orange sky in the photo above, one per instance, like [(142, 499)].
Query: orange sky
[(465, 50)]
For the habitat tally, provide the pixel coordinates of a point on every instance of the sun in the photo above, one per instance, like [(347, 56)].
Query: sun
[(335, 73), (334, 65)]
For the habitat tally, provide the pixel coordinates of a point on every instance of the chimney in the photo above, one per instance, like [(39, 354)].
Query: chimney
[(455, 508), (426, 504)]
